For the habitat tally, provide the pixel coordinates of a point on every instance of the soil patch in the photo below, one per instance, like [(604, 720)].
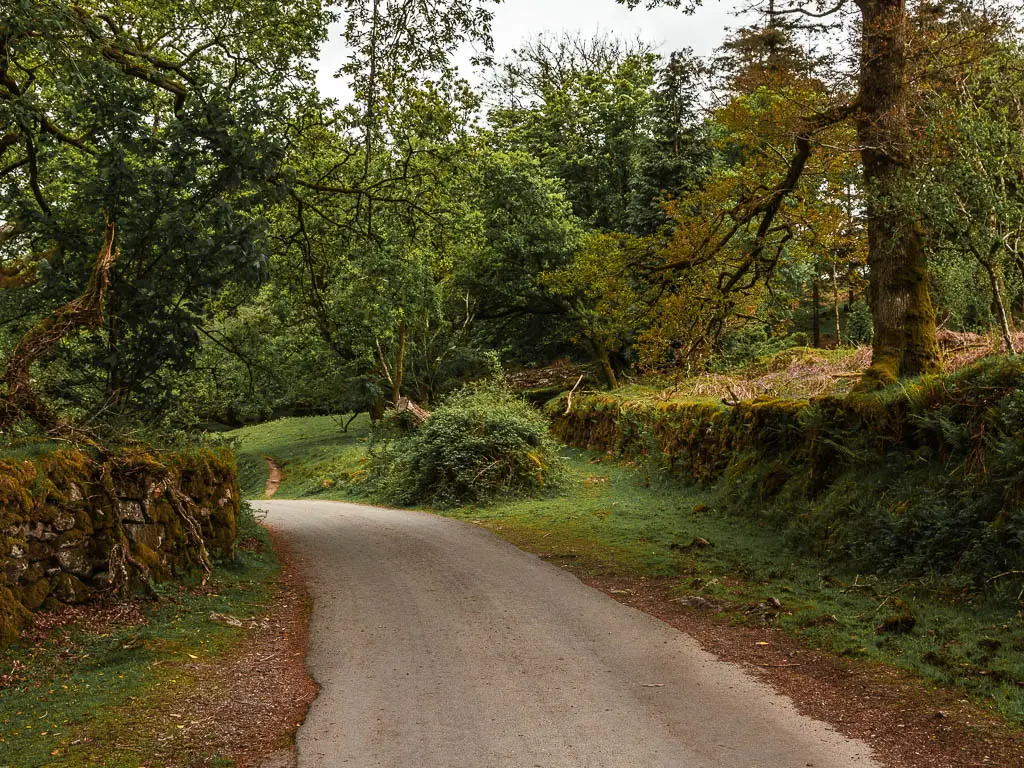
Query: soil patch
[(275, 478), (251, 703)]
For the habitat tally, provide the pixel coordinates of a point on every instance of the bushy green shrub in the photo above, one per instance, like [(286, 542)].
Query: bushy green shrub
[(483, 442), (752, 343)]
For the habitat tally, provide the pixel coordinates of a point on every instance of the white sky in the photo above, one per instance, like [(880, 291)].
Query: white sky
[(516, 21)]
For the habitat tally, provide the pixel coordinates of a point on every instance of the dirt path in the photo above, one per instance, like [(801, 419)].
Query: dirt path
[(274, 479), (252, 700), (438, 645)]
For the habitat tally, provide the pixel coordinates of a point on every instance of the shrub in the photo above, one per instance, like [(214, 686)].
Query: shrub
[(752, 343), (483, 442)]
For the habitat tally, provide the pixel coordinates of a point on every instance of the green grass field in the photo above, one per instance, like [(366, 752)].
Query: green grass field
[(317, 458), (611, 518), (85, 698)]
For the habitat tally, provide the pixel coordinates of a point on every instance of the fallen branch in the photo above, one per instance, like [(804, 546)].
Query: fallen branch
[(568, 405), (1000, 576), (405, 405)]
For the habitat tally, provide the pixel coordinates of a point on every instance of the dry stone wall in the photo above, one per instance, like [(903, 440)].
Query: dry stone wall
[(920, 479), (74, 527)]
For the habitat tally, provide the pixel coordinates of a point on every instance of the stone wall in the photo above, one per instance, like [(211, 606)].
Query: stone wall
[(921, 479), (74, 527)]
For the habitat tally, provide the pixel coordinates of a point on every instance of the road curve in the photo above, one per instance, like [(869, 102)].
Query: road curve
[(438, 645)]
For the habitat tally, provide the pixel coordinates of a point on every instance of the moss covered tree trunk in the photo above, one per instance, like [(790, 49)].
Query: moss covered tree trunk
[(835, 306), (602, 356), (905, 342)]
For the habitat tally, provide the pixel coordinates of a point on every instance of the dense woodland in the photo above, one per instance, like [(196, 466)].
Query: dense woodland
[(707, 326), (837, 174)]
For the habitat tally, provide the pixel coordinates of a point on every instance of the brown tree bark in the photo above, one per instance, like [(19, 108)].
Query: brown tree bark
[(601, 353), (816, 319), (398, 374), (999, 307), (835, 306), (86, 311), (905, 343)]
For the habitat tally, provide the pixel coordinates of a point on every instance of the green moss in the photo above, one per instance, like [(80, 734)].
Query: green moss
[(48, 486), (13, 616), (792, 454), (34, 595), (150, 559), (70, 589)]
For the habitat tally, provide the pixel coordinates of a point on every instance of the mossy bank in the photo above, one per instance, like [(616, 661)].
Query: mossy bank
[(75, 526), (921, 479)]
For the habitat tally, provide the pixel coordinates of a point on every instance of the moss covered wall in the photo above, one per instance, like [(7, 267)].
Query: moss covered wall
[(925, 475), (73, 527)]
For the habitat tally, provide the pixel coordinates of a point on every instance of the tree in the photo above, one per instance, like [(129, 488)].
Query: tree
[(363, 246), (968, 165), (168, 119), (525, 230), (674, 154), (721, 267), (608, 306), (583, 107), (904, 317)]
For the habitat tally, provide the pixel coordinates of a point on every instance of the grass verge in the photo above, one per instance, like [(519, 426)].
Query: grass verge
[(99, 686), (620, 519)]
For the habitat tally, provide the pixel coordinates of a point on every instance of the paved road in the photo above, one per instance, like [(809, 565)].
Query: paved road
[(437, 645)]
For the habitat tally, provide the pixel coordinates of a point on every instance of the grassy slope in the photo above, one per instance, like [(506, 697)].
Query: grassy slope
[(83, 698), (315, 455), (612, 518)]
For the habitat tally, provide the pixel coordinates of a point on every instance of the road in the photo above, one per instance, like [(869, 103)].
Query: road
[(438, 645)]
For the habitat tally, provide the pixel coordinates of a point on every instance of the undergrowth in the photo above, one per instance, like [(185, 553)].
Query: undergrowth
[(924, 479), (78, 695)]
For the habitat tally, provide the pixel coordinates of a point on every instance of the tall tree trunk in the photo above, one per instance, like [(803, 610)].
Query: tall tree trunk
[(601, 353), (398, 374), (816, 319), (904, 317), (835, 305), (999, 306)]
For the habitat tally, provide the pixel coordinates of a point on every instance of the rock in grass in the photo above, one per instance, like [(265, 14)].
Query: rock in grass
[(896, 625), (699, 603), (900, 623)]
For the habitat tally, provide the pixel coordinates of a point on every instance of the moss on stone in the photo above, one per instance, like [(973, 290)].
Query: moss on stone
[(150, 559), (34, 594), (797, 451), (13, 616), (76, 498), (70, 589)]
